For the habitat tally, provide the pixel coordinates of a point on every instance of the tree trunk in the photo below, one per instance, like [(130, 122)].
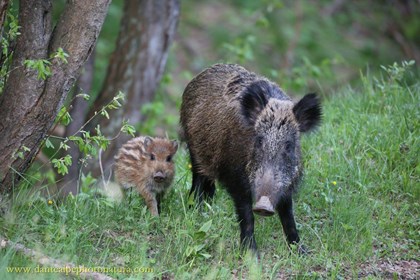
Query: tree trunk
[(29, 105), (4, 4), (136, 67)]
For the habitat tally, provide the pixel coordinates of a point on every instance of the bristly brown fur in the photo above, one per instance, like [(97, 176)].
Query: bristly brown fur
[(244, 131), (146, 164)]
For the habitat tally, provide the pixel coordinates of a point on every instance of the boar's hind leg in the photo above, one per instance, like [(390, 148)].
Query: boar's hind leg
[(285, 210), (202, 186)]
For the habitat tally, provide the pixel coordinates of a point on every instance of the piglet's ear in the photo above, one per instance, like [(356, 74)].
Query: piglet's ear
[(147, 141), (174, 145), (308, 112), (253, 101)]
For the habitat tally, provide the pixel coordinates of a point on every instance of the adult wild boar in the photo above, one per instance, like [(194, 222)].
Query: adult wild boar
[(244, 131)]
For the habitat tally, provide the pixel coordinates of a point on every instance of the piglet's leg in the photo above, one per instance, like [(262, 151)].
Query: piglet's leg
[(158, 200), (151, 201)]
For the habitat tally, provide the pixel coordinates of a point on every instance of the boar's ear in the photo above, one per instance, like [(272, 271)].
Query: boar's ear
[(253, 101), (308, 112)]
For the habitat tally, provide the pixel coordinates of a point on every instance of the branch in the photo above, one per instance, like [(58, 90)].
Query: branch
[(69, 268)]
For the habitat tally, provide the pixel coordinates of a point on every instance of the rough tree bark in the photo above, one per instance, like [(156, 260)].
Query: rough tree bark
[(136, 66), (29, 105), (4, 4)]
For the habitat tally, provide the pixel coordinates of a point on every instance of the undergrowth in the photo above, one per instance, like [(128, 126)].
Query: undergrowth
[(358, 203)]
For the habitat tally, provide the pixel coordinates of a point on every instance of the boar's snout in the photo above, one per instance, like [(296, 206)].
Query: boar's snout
[(265, 191), (263, 207), (159, 177)]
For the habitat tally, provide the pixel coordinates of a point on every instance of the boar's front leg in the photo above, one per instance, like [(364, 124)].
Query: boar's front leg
[(243, 205), (285, 210)]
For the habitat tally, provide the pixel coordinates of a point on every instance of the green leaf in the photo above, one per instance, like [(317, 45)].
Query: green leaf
[(25, 149), (67, 160), (347, 227), (205, 228), (114, 105), (206, 256), (120, 96), (262, 22), (127, 128), (39, 65), (84, 96), (98, 130), (86, 134), (199, 235), (64, 116), (64, 146), (60, 54), (66, 120), (76, 139), (105, 114), (188, 251), (48, 144), (61, 164), (198, 248)]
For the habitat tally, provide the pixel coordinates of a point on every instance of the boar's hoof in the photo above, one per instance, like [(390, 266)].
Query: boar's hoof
[(263, 207)]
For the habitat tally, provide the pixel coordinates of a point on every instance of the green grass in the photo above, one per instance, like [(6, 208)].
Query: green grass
[(358, 203)]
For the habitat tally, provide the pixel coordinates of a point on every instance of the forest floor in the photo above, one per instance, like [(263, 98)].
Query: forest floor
[(357, 211)]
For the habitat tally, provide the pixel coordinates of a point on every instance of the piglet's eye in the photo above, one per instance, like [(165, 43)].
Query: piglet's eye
[(168, 158), (152, 157)]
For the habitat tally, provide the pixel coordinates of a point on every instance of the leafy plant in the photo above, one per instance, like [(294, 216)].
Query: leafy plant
[(42, 66), (88, 144), (61, 55), (398, 72), (241, 50), (9, 35), (199, 243), (62, 164)]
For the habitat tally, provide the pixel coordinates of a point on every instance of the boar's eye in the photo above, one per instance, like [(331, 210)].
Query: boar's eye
[(168, 158), (152, 157), (289, 146)]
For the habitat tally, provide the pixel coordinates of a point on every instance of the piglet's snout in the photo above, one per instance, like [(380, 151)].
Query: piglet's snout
[(159, 177)]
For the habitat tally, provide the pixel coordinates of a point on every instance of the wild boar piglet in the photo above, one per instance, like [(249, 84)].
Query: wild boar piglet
[(146, 163)]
